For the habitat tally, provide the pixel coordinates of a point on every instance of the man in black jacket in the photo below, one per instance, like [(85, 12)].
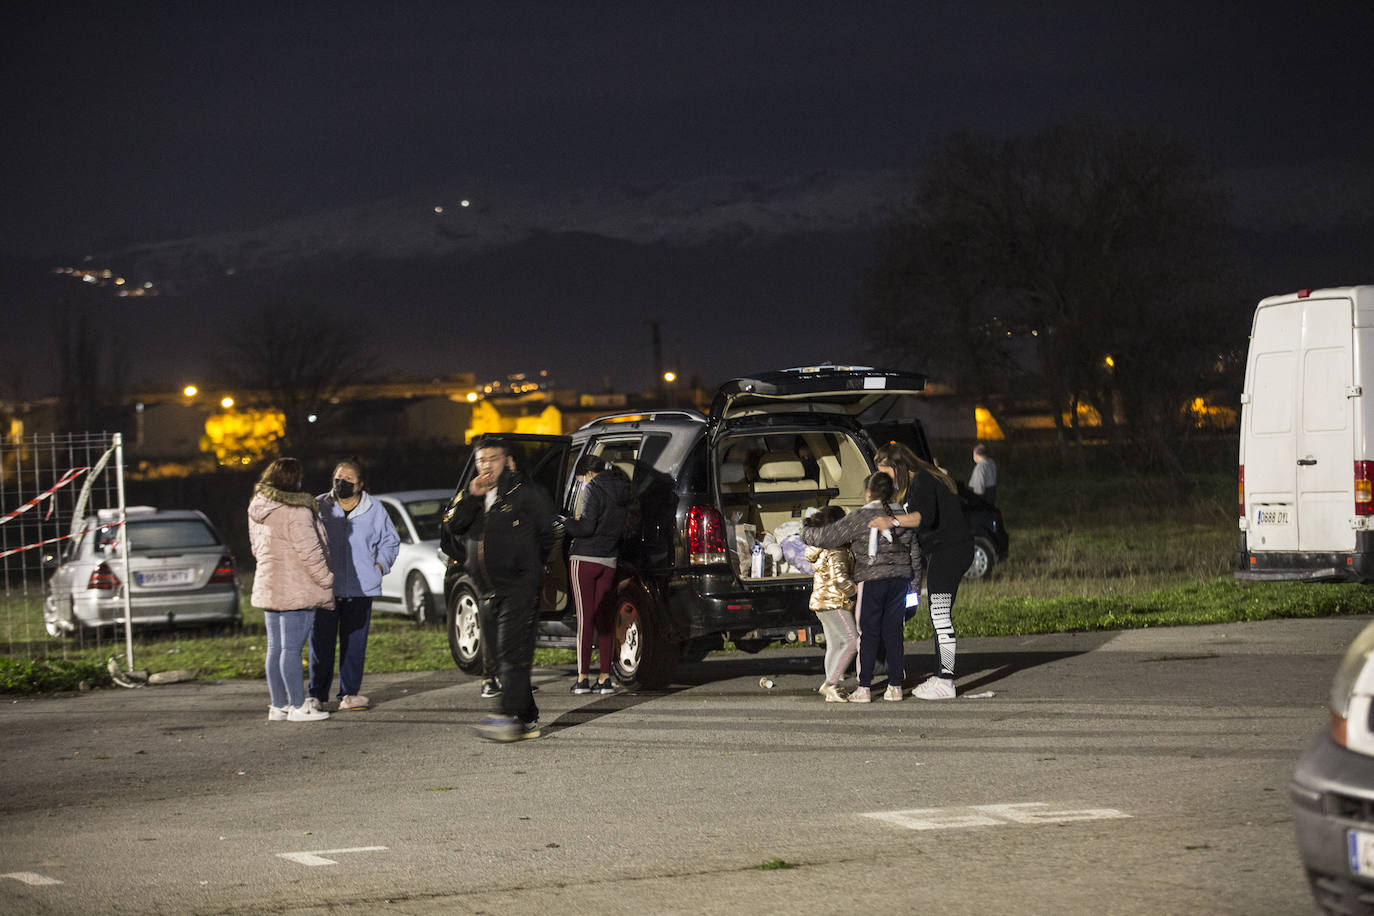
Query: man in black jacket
[(509, 520)]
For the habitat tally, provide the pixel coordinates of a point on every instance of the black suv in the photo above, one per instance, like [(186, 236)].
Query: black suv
[(709, 548)]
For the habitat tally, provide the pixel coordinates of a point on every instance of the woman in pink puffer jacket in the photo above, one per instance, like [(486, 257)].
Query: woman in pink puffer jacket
[(292, 579)]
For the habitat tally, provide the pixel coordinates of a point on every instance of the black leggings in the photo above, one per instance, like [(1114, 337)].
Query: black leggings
[(944, 570)]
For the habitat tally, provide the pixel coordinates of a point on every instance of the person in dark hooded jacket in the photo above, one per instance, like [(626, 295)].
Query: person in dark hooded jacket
[(592, 556), (508, 519)]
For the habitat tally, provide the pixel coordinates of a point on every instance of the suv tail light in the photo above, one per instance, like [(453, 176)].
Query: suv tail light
[(224, 571), (1364, 488), (705, 535), (103, 578), (1240, 491)]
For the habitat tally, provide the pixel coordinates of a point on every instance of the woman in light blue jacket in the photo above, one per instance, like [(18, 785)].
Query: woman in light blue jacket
[(362, 548)]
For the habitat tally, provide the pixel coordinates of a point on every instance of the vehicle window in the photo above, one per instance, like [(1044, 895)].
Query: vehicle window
[(426, 514), (622, 452), (398, 522), (161, 534), (542, 462)]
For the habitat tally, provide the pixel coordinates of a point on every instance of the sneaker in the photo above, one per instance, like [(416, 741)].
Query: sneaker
[(499, 728), (529, 730), (935, 688), (277, 713), (893, 693), (861, 695), (313, 703), (582, 686), (491, 688), (353, 701), (604, 687), (824, 684), (832, 694), (304, 713)]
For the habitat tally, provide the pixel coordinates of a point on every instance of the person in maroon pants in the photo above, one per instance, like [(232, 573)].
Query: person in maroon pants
[(592, 556)]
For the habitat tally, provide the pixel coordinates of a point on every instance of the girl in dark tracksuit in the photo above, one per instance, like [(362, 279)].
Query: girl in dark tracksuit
[(931, 500), (884, 564), (592, 556)]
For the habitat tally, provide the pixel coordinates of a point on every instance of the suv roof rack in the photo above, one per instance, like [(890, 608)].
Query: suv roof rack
[(633, 416)]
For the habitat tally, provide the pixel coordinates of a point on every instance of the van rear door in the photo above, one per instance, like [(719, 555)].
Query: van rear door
[(1299, 430)]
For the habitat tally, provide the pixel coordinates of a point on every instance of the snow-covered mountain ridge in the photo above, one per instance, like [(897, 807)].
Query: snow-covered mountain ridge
[(467, 217)]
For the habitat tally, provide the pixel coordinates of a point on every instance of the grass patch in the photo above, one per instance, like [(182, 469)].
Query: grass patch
[(50, 675), (776, 865)]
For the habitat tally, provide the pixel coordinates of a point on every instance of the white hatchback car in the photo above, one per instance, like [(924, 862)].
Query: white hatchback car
[(1333, 790), (180, 571), (415, 585)]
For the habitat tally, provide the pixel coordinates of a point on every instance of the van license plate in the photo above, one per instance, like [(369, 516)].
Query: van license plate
[(1361, 845), (160, 577), (1271, 517)]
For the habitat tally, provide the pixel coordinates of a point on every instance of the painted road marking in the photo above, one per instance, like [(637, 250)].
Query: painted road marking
[(990, 816), (29, 877), (318, 856)]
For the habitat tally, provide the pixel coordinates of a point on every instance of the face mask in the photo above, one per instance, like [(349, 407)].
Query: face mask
[(343, 489)]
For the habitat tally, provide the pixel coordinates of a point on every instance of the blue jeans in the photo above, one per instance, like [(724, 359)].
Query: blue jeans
[(348, 624), (287, 632)]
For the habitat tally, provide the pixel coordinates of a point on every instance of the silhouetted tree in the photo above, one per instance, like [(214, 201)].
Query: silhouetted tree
[(1084, 265), (299, 361)]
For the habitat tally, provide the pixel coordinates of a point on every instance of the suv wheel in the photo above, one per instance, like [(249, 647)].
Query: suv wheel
[(984, 559), (644, 653), (464, 632)]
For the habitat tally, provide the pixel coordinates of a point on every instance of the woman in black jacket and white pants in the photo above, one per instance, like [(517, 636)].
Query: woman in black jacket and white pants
[(592, 557)]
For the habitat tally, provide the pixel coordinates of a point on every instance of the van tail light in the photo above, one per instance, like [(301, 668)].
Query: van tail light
[(224, 571), (103, 578), (1364, 488), (705, 535), (1241, 491)]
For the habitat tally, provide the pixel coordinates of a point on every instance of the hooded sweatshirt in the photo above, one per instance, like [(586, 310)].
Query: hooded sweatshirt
[(897, 558), (292, 551), (359, 542), (596, 533)]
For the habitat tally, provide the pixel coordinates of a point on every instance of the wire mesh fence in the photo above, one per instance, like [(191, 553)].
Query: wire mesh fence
[(49, 486)]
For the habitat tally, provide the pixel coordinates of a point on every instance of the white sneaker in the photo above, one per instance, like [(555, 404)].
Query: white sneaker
[(935, 688), (312, 703), (353, 701), (861, 695), (277, 713), (304, 713), (893, 693), (832, 694)]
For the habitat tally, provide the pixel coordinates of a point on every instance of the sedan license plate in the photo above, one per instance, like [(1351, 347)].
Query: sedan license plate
[(160, 577), (1271, 516), (1361, 844)]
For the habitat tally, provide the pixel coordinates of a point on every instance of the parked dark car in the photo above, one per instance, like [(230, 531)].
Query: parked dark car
[(705, 489)]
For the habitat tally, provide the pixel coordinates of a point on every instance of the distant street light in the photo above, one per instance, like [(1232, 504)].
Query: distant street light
[(670, 377), (190, 391), (226, 402)]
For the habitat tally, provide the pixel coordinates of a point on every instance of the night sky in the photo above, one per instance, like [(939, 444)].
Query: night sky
[(130, 124)]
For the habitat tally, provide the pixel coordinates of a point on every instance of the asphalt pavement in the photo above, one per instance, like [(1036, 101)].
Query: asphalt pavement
[(1133, 772)]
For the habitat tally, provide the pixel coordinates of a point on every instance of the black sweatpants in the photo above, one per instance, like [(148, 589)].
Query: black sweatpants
[(515, 615)]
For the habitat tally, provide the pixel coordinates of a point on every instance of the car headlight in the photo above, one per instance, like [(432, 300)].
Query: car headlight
[(1351, 692)]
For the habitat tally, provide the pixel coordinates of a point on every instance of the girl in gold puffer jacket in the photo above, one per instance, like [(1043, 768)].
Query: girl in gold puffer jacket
[(832, 598)]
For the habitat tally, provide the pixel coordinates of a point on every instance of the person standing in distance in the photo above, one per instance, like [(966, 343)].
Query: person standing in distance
[(363, 545), (510, 520), (983, 480), (291, 584), (593, 555), (930, 498)]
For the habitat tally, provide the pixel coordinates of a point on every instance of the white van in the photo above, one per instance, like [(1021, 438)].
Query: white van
[(1307, 440)]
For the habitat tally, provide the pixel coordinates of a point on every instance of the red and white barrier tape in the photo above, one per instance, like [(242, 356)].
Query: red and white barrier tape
[(55, 540), (66, 479)]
